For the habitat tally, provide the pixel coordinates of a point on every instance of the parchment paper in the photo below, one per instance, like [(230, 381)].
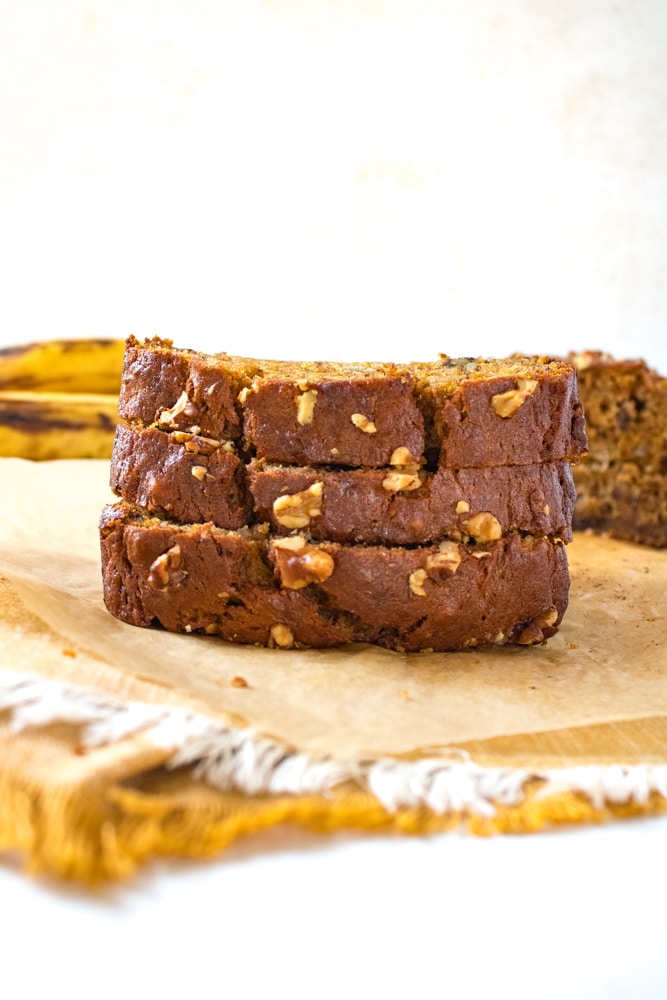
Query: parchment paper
[(608, 663)]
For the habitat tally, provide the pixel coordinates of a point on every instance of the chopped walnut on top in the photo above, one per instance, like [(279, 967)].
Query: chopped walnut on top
[(416, 582), (295, 510), (402, 456), (507, 403), (438, 566), (196, 444), (445, 561)]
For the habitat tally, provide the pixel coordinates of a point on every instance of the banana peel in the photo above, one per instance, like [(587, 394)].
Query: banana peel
[(88, 366), (48, 425), (59, 398)]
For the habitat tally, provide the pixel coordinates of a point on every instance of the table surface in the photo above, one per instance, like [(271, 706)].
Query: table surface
[(573, 914), (478, 179)]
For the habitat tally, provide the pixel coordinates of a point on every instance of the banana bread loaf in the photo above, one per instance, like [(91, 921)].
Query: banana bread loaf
[(622, 485), (249, 587)]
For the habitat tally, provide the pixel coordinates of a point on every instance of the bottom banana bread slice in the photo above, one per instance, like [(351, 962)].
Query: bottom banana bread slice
[(250, 587)]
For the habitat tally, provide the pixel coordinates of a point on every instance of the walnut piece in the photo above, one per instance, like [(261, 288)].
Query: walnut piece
[(305, 407), (198, 445), (364, 423), (168, 416), (397, 482), (445, 561), (199, 472), (462, 507), (547, 618), (294, 510), (402, 456), (507, 403), (299, 563), (483, 527), (534, 631), (416, 581), (166, 570), (281, 636)]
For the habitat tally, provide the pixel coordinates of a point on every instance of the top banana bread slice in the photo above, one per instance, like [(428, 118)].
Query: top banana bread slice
[(457, 413)]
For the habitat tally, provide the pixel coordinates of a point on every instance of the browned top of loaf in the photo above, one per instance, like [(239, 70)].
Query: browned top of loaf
[(461, 412)]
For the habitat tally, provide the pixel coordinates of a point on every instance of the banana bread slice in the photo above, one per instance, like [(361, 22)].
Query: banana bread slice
[(462, 412), (409, 506), (250, 587), (622, 485)]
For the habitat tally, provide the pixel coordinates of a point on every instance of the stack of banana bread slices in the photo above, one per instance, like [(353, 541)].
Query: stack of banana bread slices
[(419, 507)]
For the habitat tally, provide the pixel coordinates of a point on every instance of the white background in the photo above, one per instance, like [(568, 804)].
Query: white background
[(359, 179), (311, 178)]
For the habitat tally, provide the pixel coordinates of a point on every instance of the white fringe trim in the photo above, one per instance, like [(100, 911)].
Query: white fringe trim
[(239, 759)]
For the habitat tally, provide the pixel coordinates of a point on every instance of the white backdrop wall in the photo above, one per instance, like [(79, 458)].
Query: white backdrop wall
[(360, 178)]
